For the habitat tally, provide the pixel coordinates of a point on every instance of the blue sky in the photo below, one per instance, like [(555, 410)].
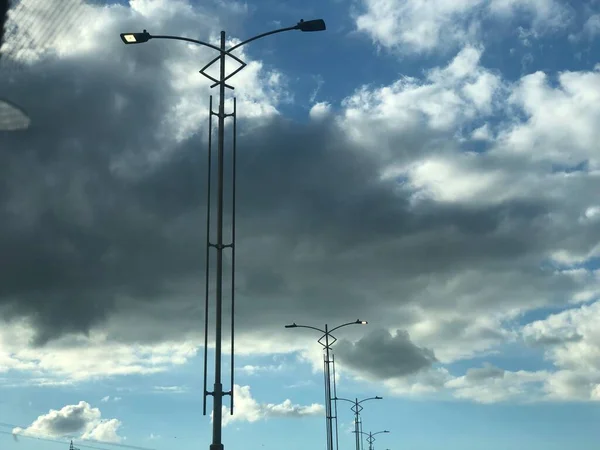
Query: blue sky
[(431, 167)]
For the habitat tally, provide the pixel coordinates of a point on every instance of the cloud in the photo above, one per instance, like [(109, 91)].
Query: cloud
[(383, 355), (74, 420), (572, 343), (384, 207), (171, 389), (320, 110), (413, 26), (249, 369), (247, 409), (485, 372), (76, 358), (491, 384)]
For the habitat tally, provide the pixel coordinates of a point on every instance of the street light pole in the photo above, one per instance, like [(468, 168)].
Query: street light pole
[(220, 246), (327, 372), (371, 437), (356, 409)]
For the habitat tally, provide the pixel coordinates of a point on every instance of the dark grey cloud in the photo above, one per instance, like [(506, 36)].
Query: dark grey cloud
[(383, 355), (102, 218)]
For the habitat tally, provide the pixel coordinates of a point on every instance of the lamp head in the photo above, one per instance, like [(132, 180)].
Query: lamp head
[(135, 38), (377, 397), (311, 25), (291, 326), (361, 322)]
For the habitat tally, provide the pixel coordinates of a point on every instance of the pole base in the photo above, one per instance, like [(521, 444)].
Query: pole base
[(216, 447)]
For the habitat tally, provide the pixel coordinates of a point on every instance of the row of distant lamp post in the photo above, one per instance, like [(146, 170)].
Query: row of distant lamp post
[(327, 340), (220, 245)]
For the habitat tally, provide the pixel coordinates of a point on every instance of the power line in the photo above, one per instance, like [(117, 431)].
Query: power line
[(67, 438)]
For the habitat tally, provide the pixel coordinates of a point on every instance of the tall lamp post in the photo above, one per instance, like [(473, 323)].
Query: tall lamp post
[(329, 341), (219, 246), (371, 437), (356, 409)]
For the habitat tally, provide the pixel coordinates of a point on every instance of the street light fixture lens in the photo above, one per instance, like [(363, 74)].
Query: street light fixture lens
[(362, 322), (311, 25), (135, 38)]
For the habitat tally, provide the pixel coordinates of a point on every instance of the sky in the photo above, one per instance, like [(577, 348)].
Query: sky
[(431, 167)]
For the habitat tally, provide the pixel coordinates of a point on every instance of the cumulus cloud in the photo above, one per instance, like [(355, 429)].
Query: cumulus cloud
[(249, 369), (381, 207), (414, 26), (74, 420), (383, 355), (247, 409), (572, 343), (491, 384)]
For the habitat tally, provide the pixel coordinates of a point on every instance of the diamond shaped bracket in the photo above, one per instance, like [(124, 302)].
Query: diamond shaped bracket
[(360, 408), (218, 58), (330, 343)]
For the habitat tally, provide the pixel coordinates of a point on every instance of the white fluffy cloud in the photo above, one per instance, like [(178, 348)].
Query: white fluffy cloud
[(445, 100), (490, 385), (79, 420), (390, 208), (417, 26), (561, 120), (247, 409), (83, 358), (571, 341)]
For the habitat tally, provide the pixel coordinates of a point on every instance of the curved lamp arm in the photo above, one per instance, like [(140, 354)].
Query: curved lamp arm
[(356, 322), (371, 398), (305, 326), (268, 33), (379, 432), (361, 432), (344, 399), (144, 36), (309, 25)]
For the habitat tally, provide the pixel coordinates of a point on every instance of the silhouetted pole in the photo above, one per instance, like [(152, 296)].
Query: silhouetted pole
[(326, 371), (371, 437), (357, 408), (218, 393)]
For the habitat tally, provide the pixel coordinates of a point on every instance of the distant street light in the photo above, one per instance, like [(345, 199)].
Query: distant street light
[(371, 437), (219, 246), (356, 409), (327, 372)]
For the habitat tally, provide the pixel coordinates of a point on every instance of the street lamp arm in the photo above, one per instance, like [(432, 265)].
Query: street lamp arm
[(371, 398), (361, 432), (194, 41), (268, 33), (305, 326), (379, 432), (344, 399), (356, 322)]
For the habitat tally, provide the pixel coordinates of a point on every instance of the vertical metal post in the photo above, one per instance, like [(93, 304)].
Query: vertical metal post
[(335, 412), (362, 441), (208, 246), (218, 387), (356, 419), (328, 392), (234, 176)]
